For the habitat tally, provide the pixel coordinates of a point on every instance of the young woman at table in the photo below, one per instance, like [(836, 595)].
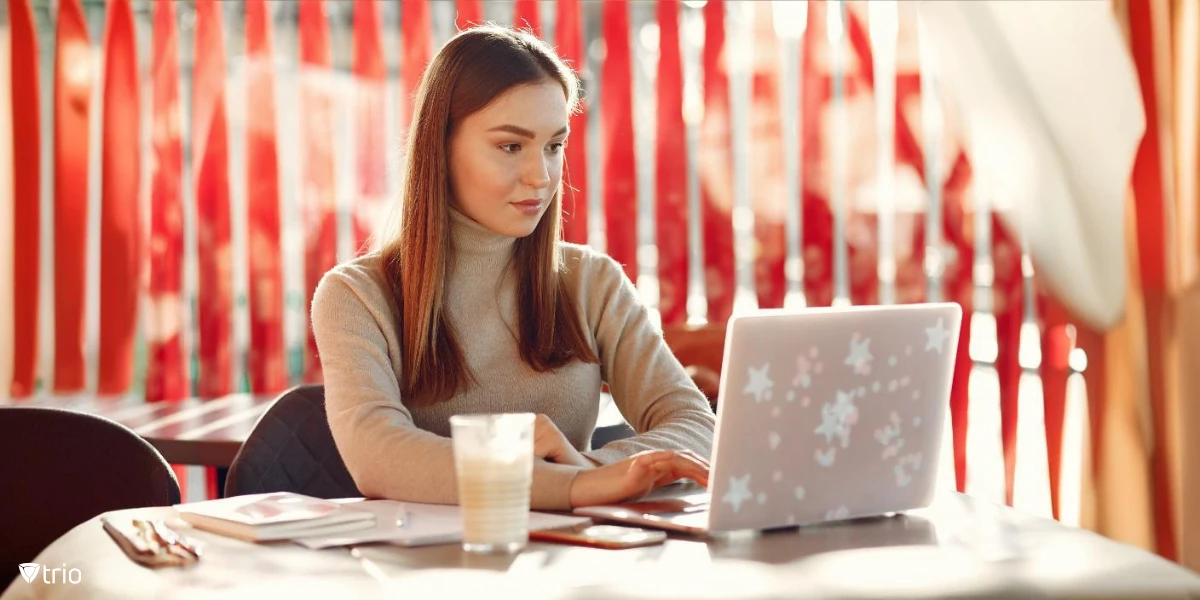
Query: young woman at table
[(476, 306)]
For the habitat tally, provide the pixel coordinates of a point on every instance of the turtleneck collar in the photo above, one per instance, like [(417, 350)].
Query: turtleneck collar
[(476, 249)]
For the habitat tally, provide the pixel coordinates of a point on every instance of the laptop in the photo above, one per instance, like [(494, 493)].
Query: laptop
[(824, 414)]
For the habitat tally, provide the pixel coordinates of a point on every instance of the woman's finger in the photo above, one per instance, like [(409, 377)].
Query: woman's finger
[(680, 460), (667, 478), (700, 459), (656, 468), (677, 468), (693, 457), (673, 459), (651, 456), (691, 469)]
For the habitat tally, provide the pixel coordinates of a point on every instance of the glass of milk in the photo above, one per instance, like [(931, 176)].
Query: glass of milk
[(493, 460)]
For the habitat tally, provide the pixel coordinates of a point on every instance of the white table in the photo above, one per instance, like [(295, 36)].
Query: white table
[(960, 547)]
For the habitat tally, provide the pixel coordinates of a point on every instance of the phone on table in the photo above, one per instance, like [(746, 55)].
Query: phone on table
[(610, 537)]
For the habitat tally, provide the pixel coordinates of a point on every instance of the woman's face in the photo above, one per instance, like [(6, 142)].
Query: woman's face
[(506, 160)]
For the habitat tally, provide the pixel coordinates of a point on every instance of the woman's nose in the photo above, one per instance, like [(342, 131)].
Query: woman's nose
[(537, 173)]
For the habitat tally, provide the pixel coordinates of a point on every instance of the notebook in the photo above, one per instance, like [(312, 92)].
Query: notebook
[(413, 524), (274, 516), (825, 414)]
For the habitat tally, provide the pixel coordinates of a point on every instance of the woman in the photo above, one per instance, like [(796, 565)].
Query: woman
[(475, 306)]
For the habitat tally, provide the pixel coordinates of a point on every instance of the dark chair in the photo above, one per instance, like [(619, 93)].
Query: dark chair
[(291, 450), (611, 433), (61, 468)]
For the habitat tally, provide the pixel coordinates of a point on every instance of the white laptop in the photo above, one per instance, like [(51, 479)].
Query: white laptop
[(824, 414)]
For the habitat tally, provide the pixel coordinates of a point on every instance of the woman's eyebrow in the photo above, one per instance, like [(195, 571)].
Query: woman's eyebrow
[(525, 133)]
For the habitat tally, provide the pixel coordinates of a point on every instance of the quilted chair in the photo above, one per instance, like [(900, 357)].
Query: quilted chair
[(611, 433), (291, 450), (62, 468)]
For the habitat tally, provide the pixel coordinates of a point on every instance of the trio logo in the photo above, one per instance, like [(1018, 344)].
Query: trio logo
[(29, 571)]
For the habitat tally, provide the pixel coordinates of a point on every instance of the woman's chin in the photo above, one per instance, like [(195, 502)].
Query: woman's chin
[(519, 227)]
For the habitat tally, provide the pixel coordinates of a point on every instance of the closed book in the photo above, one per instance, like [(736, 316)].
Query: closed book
[(274, 516)]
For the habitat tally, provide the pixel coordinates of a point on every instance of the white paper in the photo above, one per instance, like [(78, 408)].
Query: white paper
[(420, 525)]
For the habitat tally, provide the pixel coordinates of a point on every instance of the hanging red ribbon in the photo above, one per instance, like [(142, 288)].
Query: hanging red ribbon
[(1055, 370), (370, 78), (1150, 201), (616, 121), (120, 210), (266, 361), (166, 371), (816, 213), (671, 165), (569, 40), (416, 45), (769, 188), (210, 155), (716, 172), (27, 198), (73, 80), (317, 188)]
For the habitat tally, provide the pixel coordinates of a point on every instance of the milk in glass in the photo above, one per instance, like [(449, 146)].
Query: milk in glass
[(493, 459)]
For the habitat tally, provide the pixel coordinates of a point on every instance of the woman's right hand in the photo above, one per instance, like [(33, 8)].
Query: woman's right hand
[(636, 476), (551, 445)]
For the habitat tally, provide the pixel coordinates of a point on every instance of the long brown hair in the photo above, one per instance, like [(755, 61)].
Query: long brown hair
[(470, 71)]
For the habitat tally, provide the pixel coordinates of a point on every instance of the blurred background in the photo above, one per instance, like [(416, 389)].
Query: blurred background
[(175, 177)]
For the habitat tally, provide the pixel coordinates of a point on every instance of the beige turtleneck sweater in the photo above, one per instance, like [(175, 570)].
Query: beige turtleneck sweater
[(405, 453)]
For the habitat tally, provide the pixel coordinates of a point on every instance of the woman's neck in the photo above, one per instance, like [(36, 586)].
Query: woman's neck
[(475, 249)]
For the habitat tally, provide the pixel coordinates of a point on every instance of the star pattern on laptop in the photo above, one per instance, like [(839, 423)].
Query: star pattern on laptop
[(936, 337), (905, 467), (804, 371), (739, 492), (837, 418), (760, 383), (859, 356), (773, 440)]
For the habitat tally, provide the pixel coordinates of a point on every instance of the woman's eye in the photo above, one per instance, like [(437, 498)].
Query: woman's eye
[(511, 148), (557, 147)]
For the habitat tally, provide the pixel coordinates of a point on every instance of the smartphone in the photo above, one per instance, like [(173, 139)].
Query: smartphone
[(610, 537)]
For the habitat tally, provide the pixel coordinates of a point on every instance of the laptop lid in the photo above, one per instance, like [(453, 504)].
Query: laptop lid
[(830, 413)]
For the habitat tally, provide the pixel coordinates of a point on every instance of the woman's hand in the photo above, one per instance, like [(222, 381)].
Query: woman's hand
[(636, 476), (550, 444)]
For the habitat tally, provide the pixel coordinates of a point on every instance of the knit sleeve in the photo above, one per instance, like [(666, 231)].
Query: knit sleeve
[(650, 387), (385, 452)]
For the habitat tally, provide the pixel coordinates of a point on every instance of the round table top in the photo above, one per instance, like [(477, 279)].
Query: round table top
[(960, 547)]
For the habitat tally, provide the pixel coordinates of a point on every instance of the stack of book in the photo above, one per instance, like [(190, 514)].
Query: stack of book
[(275, 516)]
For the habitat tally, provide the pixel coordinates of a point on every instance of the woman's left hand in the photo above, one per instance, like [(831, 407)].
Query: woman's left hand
[(550, 444)]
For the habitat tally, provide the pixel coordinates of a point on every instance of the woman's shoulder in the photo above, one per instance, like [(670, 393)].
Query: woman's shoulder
[(594, 277), (362, 278), (584, 263)]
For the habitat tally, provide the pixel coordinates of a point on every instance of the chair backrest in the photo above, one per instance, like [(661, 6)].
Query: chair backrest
[(611, 433), (700, 348), (291, 450), (61, 468)]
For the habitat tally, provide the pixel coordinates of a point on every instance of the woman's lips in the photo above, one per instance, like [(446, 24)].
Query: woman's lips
[(529, 207)]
